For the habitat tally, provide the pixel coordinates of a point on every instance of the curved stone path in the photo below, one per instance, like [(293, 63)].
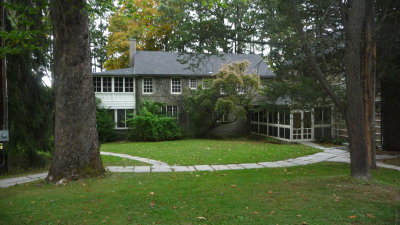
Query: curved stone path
[(327, 154)]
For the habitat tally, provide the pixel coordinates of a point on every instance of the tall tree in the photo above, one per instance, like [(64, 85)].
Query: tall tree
[(140, 20), (99, 12), (76, 145), (333, 42), (30, 102), (357, 108)]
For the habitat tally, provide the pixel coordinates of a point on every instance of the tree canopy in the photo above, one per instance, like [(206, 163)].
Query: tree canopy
[(223, 99)]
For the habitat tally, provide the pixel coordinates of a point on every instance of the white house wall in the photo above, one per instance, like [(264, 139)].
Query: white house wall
[(117, 100)]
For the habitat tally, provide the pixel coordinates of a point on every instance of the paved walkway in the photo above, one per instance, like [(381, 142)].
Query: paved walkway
[(327, 154)]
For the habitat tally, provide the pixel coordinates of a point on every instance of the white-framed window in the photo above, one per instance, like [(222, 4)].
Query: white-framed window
[(170, 110), (129, 84), (113, 84), (193, 83), (97, 84), (222, 91), (147, 85), (107, 84), (176, 85), (121, 116), (118, 84)]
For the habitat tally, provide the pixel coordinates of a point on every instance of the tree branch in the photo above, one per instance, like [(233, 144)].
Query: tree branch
[(313, 62)]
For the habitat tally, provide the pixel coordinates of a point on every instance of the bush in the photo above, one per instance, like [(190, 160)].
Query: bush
[(148, 126), (105, 123)]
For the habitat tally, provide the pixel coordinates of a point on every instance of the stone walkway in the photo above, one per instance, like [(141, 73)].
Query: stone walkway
[(327, 154)]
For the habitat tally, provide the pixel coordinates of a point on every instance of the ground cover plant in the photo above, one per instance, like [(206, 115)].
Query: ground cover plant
[(320, 193), (205, 151)]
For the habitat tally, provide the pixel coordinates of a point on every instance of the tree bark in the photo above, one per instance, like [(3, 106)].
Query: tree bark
[(76, 145), (355, 110), (369, 81)]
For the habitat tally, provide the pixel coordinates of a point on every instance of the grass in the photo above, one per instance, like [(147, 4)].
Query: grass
[(109, 160), (394, 162), (202, 151), (320, 193)]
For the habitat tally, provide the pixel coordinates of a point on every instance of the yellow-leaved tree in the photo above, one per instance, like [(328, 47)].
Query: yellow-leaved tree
[(139, 19)]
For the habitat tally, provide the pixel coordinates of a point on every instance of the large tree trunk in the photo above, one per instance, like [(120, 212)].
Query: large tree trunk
[(355, 110), (76, 145), (369, 81)]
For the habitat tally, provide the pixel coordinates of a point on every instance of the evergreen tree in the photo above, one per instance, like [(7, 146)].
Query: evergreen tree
[(30, 102)]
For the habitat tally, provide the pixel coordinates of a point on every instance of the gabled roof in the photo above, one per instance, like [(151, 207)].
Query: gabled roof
[(149, 63)]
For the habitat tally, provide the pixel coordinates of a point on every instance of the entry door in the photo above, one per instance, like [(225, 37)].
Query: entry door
[(302, 126)]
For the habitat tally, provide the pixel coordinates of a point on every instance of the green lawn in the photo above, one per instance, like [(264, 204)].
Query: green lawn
[(109, 160), (203, 151), (321, 193)]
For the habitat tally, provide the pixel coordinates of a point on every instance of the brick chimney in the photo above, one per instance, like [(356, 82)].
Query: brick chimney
[(132, 52)]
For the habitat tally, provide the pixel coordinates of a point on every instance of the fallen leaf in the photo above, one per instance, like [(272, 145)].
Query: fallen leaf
[(89, 212), (247, 207), (304, 223), (173, 207), (353, 216), (151, 193), (233, 185), (270, 192), (272, 212), (255, 212), (201, 218), (298, 215), (370, 216), (152, 203)]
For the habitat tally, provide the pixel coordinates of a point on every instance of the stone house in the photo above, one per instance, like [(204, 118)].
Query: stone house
[(163, 77)]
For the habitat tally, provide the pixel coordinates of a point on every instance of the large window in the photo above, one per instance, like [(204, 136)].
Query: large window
[(116, 84), (122, 116), (193, 83), (107, 84), (119, 84), (128, 84), (97, 84), (147, 85), (176, 85)]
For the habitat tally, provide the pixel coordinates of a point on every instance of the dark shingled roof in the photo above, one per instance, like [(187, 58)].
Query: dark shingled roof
[(170, 63)]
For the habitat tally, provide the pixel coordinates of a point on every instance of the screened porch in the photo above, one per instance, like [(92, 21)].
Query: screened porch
[(292, 125)]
